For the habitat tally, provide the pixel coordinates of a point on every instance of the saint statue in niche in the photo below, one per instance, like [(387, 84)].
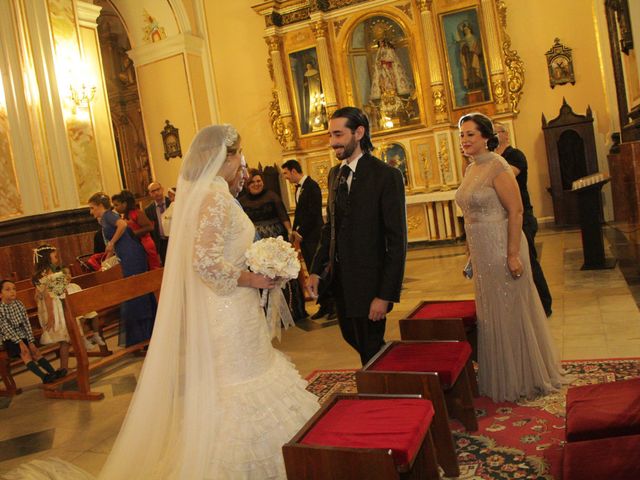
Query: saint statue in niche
[(315, 98), (388, 73)]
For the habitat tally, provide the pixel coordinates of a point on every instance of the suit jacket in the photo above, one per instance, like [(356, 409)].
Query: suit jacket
[(372, 240), (150, 210), (308, 217)]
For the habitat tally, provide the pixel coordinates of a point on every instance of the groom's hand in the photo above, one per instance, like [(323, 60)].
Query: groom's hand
[(312, 285), (378, 309)]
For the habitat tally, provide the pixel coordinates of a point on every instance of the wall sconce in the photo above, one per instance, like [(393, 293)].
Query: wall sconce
[(82, 95)]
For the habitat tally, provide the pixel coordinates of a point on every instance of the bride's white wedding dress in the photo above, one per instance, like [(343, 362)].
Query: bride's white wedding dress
[(214, 400)]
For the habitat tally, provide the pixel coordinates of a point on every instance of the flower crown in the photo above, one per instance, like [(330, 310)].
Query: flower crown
[(37, 252)]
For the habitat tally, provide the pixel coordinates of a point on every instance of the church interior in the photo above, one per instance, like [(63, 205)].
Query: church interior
[(105, 95)]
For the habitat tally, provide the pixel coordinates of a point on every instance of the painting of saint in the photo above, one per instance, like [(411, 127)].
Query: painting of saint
[(466, 62), (312, 113)]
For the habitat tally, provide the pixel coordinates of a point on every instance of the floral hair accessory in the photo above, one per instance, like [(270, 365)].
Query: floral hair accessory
[(230, 136)]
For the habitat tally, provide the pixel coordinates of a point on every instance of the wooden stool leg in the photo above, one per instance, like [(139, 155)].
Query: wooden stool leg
[(442, 437), (460, 402), (5, 372), (473, 379)]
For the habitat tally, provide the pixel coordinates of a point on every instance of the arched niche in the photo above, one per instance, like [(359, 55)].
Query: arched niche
[(382, 73)]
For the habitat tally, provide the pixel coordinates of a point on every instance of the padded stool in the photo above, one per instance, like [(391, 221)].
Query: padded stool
[(444, 320), (614, 458), (436, 370), (364, 436), (603, 410)]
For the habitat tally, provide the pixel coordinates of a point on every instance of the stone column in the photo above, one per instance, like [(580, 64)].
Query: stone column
[(324, 63), (438, 92), (274, 44)]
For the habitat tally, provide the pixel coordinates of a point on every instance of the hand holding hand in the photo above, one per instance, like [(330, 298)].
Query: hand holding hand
[(515, 266), (378, 309), (312, 285), (23, 348)]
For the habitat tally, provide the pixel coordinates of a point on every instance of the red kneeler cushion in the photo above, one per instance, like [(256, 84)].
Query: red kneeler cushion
[(464, 309), (398, 424), (447, 359), (603, 410), (615, 458)]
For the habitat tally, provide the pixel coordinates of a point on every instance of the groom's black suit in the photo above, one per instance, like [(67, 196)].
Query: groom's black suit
[(363, 249)]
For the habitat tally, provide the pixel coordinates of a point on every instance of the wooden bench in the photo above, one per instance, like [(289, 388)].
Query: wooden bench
[(99, 298), (27, 296)]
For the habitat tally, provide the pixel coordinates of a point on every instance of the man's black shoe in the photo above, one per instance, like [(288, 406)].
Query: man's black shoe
[(318, 315)]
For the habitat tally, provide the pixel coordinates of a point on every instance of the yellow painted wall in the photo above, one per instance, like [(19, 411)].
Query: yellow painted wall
[(533, 29), (165, 95), (198, 91), (242, 80)]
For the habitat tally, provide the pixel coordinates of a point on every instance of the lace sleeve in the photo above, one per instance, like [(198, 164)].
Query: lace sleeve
[(208, 250)]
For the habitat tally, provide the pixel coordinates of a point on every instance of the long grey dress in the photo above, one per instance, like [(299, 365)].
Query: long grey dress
[(516, 356)]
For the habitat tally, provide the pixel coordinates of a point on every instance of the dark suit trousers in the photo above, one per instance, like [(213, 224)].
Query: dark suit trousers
[(364, 335), (530, 228)]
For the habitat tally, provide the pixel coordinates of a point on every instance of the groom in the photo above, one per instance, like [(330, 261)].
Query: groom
[(363, 246)]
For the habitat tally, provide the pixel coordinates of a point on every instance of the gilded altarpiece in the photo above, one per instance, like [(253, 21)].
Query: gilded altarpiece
[(415, 67)]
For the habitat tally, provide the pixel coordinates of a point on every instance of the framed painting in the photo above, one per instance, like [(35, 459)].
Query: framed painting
[(309, 95), (395, 155), (466, 59)]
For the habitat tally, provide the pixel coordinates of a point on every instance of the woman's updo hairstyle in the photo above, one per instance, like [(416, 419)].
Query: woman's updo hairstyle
[(100, 198), (485, 126)]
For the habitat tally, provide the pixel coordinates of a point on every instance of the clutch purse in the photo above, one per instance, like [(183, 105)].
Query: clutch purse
[(467, 271)]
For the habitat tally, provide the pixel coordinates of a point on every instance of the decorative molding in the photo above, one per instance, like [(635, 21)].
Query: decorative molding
[(425, 5), (499, 92), (273, 43), (513, 62), (178, 44), (88, 14), (319, 29), (337, 25), (406, 9), (439, 103)]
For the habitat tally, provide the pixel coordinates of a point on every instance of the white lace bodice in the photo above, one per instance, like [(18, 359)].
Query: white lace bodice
[(224, 235)]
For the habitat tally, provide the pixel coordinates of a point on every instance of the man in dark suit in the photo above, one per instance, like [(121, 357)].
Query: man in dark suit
[(363, 245), (307, 223), (154, 211), (518, 162)]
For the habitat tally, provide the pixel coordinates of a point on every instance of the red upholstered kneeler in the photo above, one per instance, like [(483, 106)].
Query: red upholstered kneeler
[(365, 437), (615, 458), (436, 370), (443, 320), (603, 410)]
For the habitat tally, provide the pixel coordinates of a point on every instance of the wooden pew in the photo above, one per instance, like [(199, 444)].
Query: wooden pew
[(98, 298)]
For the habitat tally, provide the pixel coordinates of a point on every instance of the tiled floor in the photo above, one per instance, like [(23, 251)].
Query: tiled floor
[(595, 315)]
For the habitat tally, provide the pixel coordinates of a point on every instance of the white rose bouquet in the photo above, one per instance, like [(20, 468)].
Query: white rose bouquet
[(56, 283), (274, 258)]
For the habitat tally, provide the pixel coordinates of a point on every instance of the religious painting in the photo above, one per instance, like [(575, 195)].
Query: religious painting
[(382, 73), (309, 96), (560, 64), (466, 62), (395, 155)]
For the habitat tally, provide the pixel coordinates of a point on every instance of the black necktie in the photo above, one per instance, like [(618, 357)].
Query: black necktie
[(342, 192), (295, 195)]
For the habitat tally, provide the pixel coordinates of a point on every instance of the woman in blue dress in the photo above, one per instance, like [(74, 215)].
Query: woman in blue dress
[(136, 316)]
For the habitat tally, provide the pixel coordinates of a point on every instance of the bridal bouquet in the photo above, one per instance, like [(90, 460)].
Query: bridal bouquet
[(56, 283), (276, 259)]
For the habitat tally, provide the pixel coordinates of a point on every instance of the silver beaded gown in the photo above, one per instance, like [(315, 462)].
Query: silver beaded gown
[(516, 355)]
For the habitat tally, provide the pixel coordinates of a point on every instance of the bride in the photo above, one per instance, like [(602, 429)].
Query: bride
[(214, 400)]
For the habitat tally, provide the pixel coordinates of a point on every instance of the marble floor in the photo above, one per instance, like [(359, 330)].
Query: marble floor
[(595, 315)]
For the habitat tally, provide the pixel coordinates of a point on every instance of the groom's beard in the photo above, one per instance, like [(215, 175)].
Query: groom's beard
[(347, 150)]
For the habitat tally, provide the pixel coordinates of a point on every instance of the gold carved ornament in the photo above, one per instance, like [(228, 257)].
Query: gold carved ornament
[(513, 62), (282, 131), (499, 91), (439, 100), (319, 29), (413, 222)]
